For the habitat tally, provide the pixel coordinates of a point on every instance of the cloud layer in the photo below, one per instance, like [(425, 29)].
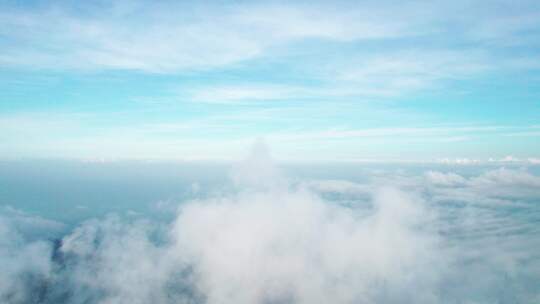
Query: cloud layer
[(396, 237)]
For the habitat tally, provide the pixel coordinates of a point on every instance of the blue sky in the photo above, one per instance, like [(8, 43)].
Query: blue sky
[(370, 80)]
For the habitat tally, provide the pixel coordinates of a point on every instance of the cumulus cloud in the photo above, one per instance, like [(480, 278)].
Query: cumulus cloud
[(270, 243), (258, 169), (400, 237), (292, 247), (115, 261), (444, 179), (503, 176), (267, 241), (24, 263), (501, 185)]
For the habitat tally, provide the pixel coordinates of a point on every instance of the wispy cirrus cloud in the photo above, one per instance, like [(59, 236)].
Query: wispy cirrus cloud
[(179, 37), (244, 94), (307, 72), (223, 136), (174, 38), (384, 75)]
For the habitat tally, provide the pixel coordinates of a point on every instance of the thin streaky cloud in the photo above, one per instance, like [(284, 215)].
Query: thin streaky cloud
[(141, 75)]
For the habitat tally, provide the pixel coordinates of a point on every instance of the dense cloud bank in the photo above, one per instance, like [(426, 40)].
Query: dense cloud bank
[(435, 237)]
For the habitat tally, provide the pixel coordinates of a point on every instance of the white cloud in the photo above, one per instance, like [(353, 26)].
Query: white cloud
[(114, 261), (385, 74), (279, 246), (397, 72), (282, 244), (165, 38), (21, 259), (509, 158), (533, 160), (337, 186), (437, 133), (500, 183), (459, 161), (176, 37), (445, 179), (246, 94), (223, 135), (272, 240), (254, 245), (507, 177)]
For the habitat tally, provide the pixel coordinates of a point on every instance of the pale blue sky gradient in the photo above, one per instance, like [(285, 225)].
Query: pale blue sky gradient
[(369, 80)]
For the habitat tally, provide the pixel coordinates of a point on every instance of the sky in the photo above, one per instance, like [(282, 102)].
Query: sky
[(331, 80)]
